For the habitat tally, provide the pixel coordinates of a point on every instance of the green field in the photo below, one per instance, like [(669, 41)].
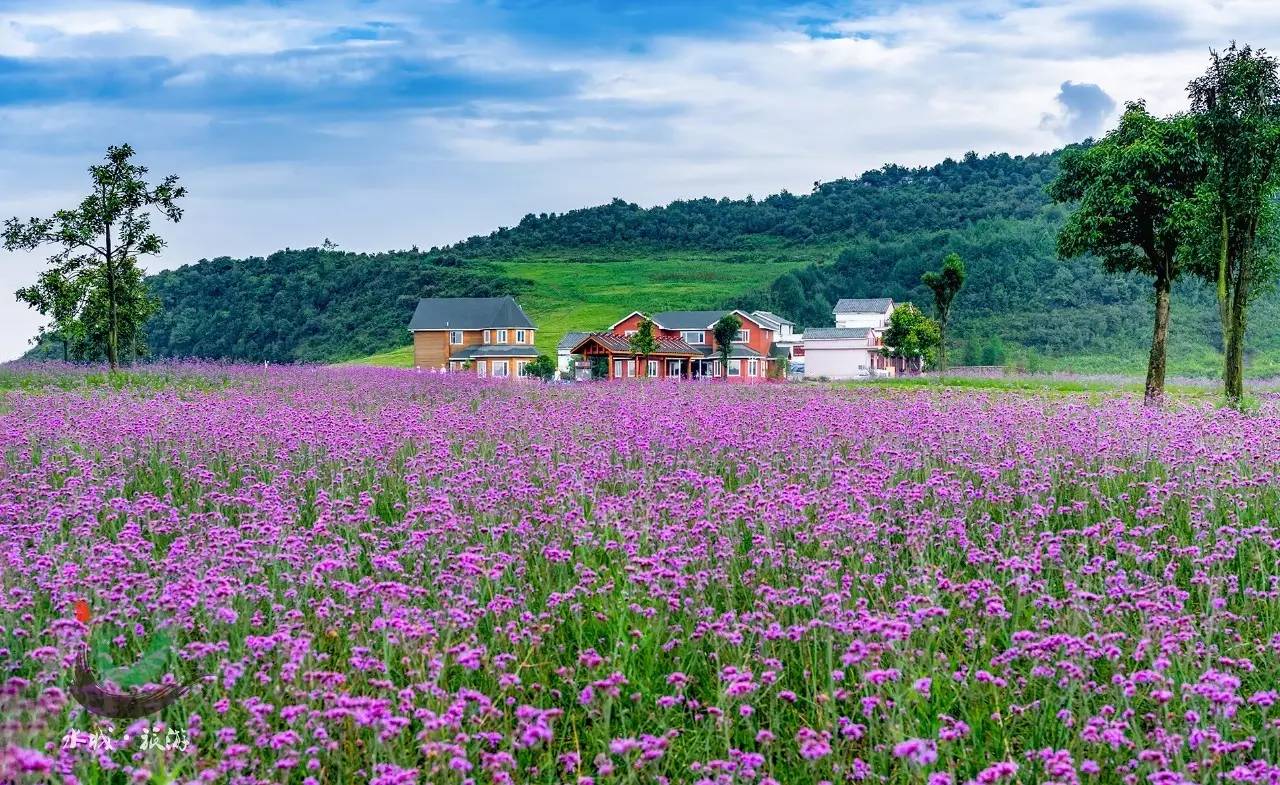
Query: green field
[(591, 291)]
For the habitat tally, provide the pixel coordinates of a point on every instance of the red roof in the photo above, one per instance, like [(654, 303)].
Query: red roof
[(621, 344)]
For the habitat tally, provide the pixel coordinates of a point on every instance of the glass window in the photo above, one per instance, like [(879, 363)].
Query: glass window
[(743, 336), (735, 367), (500, 369), (520, 366), (694, 336), (480, 367), (455, 337), (751, 368), (653, 368), (502, 336), (519, 336), (673, 367), (629, 333), (486, 336)]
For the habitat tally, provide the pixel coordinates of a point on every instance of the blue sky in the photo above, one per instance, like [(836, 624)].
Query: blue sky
[(388, 123)]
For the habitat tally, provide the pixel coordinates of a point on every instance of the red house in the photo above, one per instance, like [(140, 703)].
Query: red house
[(686, 348)]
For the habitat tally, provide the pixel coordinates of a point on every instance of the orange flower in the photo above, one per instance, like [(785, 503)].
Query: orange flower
[(82, 611)]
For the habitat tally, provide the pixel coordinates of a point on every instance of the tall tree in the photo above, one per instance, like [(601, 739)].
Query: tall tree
[(726, 331), (1134, 189), (910, 336), (1235, 106), (944, 284), (99, 241), (643, 343)]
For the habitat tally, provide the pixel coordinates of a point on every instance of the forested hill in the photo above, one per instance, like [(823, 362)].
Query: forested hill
[(881, 204), (305, 305), (794, 254)]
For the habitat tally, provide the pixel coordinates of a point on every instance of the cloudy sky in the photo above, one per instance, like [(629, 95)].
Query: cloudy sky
[(387, 123)]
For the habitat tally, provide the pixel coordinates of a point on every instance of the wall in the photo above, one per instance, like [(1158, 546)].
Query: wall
[(836, 360), (876, 320), (431, 348)]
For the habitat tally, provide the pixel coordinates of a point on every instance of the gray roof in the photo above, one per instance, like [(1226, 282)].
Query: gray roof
[(872, 305), (494, 350), (774, 320), (739, 351), (687, 320), (468, 313), (835, 333), (571, 340)]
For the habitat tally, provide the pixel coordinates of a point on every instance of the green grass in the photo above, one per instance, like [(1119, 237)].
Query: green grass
[(592, 290)]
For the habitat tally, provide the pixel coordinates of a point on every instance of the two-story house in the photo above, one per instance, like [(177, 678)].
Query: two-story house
[(686, 347), (852, 349), (489, 336)]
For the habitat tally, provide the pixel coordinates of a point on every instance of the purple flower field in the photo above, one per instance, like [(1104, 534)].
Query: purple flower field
[(390, 577)]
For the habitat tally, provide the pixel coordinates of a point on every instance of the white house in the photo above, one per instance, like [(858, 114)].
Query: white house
[(564, 349), (785, 337), (873, 313), (843, 353)]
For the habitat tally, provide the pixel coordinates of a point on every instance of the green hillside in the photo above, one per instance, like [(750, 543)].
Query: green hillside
[(793, 254), (589, 290)]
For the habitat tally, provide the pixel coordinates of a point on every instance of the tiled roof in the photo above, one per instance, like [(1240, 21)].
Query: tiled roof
[(468, 313), (571, 340), (618, 343), (687, 320), (835, 333), (872, 305), (772, 320)]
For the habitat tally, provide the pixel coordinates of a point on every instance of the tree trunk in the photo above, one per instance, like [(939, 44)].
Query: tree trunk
[(1224, 302), (113, 358), (1233, 374), (1159, 339), (942, 348)]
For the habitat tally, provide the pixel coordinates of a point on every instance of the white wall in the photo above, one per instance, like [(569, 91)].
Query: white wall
[(875, 320), (836, 359)]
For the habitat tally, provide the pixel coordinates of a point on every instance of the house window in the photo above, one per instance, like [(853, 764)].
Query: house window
[(673, 367), (743, 336), (694, 336), (653, 368), (751, 367), (631, 368), (618, 369), (480, 367), (486, 336), (519, 336), (735, 367), (520, 366), (629, 333), (502, 336), (455, 337), (500, 369)]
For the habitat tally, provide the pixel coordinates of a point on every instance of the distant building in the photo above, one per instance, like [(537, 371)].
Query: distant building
[(785, 338), (564, 351), (686, 347), (843, 353), (489, 336), (851, 349), (873, 312)]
